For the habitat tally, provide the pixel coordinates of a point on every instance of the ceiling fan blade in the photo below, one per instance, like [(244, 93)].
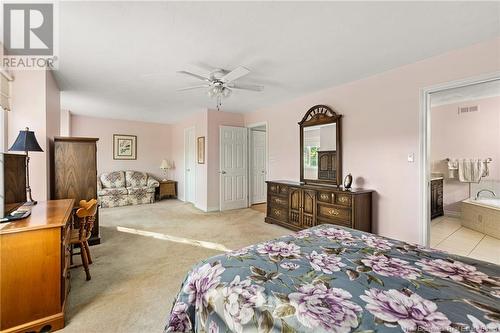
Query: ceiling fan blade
[(195, 75), (194, 87), (242, 86), (235, 74)]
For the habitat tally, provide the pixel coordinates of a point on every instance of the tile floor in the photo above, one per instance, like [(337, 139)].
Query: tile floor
[(448, 234)]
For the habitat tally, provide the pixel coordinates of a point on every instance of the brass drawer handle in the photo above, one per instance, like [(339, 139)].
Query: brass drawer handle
[(279, 201), (277, 212), (333, 212), (343, 199)]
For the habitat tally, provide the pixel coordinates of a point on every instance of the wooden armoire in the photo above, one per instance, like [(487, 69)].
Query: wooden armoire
[(74, 173)]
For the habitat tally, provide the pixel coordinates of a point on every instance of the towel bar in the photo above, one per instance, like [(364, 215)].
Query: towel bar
[(488, 160)]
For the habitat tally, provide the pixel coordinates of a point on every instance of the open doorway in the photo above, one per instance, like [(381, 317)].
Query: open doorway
[(463, 169), (257, 189)]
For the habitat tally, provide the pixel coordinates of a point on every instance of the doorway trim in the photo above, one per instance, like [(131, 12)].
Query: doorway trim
[(425, 142), (250, 150), (186, 130)]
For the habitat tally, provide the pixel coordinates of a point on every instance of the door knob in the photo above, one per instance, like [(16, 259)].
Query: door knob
[(188, 169), (223, 172)]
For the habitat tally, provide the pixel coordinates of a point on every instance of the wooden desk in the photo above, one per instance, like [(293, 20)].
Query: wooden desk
[(34, 268)]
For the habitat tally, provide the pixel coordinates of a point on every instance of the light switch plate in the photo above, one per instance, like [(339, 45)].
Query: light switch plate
[(411, 158)]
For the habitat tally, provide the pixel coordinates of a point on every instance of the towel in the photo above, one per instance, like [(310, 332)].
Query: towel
[(486, 171), (452, 168), (470, 171)]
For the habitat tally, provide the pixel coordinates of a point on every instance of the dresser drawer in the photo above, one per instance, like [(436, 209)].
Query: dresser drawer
[(277, 189), (328, 211), (343, 199), (273, 188), (278, 213), (334, 221), (326, 197), (278, 201)]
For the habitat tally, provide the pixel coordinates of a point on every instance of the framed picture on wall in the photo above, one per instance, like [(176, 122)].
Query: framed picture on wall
[(200, 150), (124, 147)]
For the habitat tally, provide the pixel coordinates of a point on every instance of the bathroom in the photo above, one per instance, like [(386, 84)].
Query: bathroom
[(465, 171)]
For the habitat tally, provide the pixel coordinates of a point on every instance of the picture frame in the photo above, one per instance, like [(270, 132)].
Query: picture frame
[(124, 147), (200, 149)]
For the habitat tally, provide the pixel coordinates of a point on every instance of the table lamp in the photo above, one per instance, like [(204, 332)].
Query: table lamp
[(26, 141), (165, 166)]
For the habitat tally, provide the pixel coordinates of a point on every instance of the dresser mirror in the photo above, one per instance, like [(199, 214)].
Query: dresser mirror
[(321, 146)]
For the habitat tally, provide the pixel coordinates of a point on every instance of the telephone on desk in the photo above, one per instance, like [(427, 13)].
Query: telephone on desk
[(20, 213)]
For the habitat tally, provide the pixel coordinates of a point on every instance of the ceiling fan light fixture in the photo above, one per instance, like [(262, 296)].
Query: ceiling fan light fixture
[(226, 92)]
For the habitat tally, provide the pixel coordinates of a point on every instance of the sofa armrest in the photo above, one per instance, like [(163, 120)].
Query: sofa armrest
[(153, 182)]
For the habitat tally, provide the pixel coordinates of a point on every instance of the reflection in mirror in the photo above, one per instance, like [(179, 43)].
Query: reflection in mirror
[(320, 148)]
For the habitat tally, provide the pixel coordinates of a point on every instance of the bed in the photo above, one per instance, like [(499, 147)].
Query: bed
[(335, 279)]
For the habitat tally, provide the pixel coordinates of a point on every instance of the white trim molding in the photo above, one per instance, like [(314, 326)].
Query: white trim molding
[(425, 141)]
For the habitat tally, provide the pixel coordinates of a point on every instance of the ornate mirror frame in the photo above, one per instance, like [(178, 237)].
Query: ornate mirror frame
[(320, 115)]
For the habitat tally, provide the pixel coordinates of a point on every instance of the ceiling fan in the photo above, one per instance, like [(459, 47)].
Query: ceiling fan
[(220, 82)]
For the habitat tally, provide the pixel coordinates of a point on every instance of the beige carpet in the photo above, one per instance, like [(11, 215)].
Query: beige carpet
[(135, 277)]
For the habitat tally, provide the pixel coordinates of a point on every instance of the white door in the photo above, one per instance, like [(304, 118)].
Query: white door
[(233, 168), (189, 164), (258, 167)]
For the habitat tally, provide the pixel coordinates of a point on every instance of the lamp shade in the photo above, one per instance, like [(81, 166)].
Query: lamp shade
[(165, 165), (26, 141)]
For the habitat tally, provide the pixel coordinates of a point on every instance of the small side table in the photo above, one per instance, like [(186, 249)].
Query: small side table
[(167, 188)]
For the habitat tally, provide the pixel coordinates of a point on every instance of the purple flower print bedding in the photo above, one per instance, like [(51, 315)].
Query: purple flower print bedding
[(335, 279)]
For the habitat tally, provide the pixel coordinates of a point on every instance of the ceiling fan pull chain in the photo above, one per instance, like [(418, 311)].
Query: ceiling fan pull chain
[(219, 102)]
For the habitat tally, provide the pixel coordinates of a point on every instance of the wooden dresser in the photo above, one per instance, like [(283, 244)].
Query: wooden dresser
[(299, 206), (34, 269), (74, 174)]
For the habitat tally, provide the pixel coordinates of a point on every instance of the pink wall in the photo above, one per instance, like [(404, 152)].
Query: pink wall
[(153, 142), (65, 123), (35, 98), (471, 135), (380, 127)]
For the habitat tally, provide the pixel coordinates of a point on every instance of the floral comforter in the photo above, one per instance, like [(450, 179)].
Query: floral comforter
[(334, 279)]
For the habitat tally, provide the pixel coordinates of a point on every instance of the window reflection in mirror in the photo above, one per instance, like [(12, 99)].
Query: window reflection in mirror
[(317, 139)]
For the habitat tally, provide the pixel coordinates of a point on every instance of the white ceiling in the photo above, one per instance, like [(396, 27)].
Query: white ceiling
[(467, 93), (119, 59)]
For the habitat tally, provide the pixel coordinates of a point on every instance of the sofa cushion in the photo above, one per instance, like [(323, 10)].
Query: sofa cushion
[(136, 178), (113, 191), (113, 179), (140, 190)]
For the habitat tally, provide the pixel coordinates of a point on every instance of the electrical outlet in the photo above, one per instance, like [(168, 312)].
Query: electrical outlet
[(411, 158)]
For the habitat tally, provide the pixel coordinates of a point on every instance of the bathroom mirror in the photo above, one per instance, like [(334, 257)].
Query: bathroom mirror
[(321, 146)]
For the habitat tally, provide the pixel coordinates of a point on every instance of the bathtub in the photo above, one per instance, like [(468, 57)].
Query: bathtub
[(482, 215)]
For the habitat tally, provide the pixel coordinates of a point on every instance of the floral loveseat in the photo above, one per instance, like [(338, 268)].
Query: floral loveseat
[(123, 188)]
